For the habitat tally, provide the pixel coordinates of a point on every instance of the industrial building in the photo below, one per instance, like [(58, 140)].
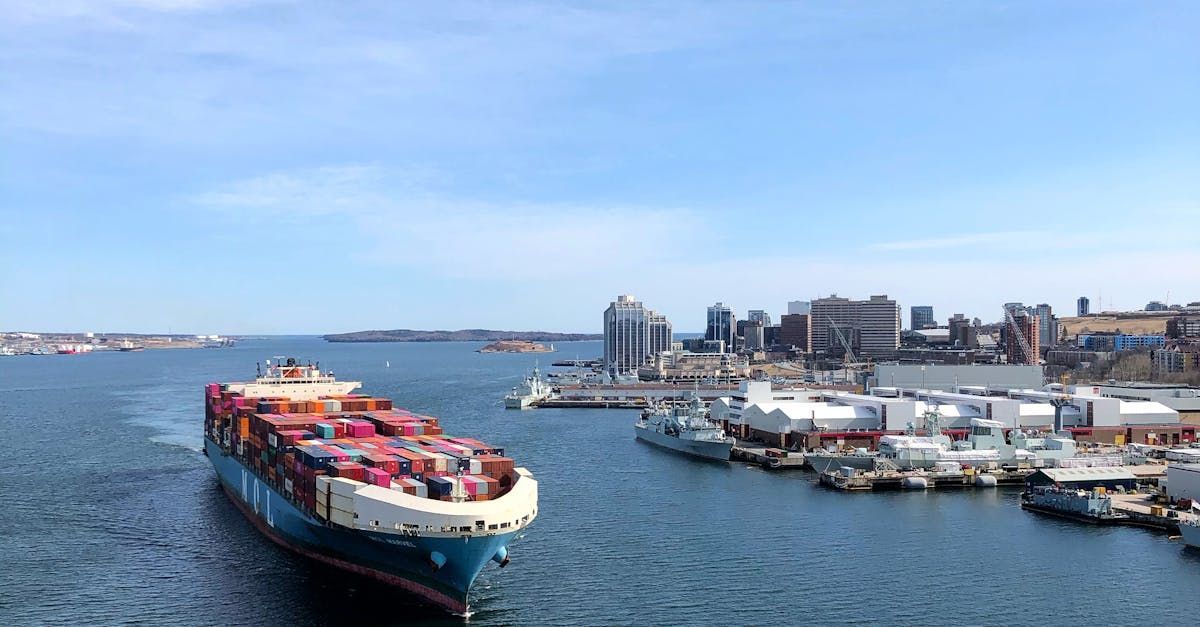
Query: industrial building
[(871, 327), (949, 378), (1181, 398), (1084, 478), (812, 418)]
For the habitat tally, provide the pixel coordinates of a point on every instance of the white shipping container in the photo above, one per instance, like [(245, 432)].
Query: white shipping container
[(344, 486), (323, 483), (338, 517), (341, 502), (476, 467), (272, 439)]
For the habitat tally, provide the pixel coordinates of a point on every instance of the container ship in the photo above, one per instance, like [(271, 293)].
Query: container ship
[(355, 483)]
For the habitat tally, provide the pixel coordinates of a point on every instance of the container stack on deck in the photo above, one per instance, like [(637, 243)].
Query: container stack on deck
[(291, 444)]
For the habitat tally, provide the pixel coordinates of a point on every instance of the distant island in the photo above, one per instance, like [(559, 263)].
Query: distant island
[(462, 335), (515, 346)]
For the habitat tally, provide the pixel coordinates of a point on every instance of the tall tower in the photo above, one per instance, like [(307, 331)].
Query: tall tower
[(722, 325), (626, 335)]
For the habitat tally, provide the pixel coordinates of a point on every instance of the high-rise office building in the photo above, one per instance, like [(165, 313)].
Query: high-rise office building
[(752, 337), (660, 332), (796, 307), (962, 333), (1027, 323), (1082, 306), (722, 325), (1047, 325), (632, 334), (921, 317), (759, 315), (796, 330), (871, 327)]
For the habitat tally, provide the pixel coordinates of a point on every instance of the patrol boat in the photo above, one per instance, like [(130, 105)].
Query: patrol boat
[(687, 430)]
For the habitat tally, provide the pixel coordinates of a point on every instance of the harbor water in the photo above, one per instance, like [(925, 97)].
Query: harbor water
[(111, 514)]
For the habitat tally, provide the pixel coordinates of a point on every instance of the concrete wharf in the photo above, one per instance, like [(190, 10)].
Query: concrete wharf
[(755, 453), (873, 480)]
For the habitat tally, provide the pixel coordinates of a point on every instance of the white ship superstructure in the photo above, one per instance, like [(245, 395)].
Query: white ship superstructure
[(532, 389), (687, 430)]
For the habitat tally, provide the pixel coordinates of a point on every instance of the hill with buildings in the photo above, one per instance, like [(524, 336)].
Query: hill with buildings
[(462, 335)]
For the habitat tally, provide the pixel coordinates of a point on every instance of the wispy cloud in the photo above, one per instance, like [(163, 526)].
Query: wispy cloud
[(403, 220), (959, 241)]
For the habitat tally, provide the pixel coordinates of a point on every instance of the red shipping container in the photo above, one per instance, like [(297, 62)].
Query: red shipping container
[(348, 470), (382, 461)]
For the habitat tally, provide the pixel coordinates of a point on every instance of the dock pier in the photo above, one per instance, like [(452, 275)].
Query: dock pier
[(875, 480), (767, 457)]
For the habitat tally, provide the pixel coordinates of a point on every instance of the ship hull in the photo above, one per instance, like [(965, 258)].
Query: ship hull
[(831, 463), (400, 561), (1191, 535), (717, 451), (517, 402)]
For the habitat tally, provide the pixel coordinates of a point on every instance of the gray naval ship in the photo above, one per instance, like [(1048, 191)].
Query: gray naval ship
[(687, 430)]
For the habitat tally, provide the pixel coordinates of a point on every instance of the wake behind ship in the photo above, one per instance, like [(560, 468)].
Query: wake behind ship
[(354, 483)]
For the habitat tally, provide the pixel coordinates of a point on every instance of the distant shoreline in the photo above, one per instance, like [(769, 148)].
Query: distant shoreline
[(463, 335)]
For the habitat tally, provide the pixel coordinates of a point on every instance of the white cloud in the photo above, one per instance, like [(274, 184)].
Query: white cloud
[(404, 222)]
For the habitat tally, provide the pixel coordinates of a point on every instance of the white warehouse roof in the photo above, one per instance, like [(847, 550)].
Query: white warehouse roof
[(1068, 475)]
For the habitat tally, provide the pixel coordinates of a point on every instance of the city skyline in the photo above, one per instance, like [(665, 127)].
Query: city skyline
[(211, 166)]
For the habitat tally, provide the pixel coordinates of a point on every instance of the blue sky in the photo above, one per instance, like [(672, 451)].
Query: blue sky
[(277, 167)]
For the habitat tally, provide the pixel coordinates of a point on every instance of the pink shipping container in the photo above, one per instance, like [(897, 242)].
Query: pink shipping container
[(360, 429), (379, 477)]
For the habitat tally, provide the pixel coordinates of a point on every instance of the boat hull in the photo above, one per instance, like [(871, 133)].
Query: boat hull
[(1191, 535), (517, 402), (717, 451), (400, 561), (831, 463)]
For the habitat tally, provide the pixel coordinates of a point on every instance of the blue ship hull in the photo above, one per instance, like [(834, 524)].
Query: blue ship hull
[(402, 561)]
